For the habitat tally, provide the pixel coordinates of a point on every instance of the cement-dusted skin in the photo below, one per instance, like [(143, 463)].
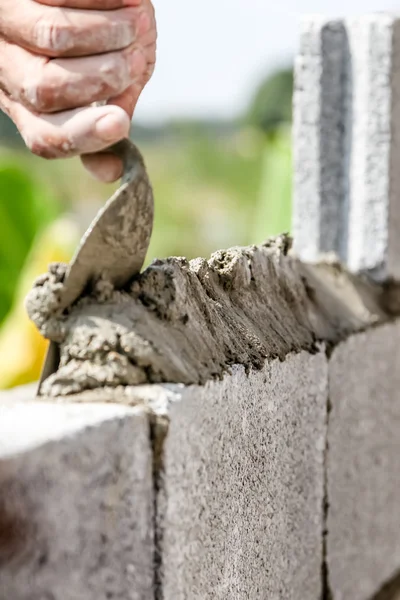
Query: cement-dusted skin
[(188, 322)]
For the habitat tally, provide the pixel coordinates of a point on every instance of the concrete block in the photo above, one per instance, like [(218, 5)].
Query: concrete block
[(363, 541), (347, 143), (319, 125), (20, 393), (241, 499), (76, 503), (374, 138)]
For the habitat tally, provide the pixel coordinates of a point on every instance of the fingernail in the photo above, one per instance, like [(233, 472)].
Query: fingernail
[(112, 127), (137, 63)]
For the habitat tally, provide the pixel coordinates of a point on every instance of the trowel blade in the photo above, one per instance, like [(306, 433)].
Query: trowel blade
[(115, 245), (50, 364)]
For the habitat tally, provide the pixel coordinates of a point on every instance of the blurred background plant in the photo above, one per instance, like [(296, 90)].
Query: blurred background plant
[(216, 184)]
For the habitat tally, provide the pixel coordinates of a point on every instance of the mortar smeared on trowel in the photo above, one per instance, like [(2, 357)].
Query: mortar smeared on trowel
[(112, 250)]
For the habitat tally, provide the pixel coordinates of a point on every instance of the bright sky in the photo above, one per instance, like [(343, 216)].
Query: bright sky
[(213, 53)]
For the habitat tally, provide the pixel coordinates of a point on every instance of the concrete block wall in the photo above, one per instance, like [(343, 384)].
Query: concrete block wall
[(278, 477), (279, 483)]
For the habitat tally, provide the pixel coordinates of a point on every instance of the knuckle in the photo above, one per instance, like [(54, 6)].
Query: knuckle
[(38, 94), (52, 34), (46, 147), (38, 146), (150, 71), (150, 7), (132, 22)]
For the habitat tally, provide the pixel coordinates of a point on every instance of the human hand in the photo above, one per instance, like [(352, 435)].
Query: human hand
[(59, 57)]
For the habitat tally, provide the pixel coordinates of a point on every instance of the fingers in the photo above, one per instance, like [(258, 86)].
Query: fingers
[(128, 99), (104, 167), (91, 4), (57, 56), (46, 85), (49, 31), (70, 133)]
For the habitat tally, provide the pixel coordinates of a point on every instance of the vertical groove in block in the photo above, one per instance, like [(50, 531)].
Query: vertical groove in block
[(76, 503), (319, 123), (375, 143)]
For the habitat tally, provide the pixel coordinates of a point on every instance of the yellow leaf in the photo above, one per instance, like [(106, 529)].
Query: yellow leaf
[(22, 348)]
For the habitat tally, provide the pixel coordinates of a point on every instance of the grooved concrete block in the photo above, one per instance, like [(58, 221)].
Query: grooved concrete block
[(319, 125), (347, 143), (76, 503), (374, 138), (364, 463), (241, 500)]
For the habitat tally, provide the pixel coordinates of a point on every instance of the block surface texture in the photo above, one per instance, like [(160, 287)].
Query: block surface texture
[(346, 143), (319, 125), (241, 499), (363, 540), (373, 139), (76, 503)]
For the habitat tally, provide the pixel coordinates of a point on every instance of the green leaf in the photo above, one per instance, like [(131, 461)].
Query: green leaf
[(25, 208), (274, 211), (272, 104)]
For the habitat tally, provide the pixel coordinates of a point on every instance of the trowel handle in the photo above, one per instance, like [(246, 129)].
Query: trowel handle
[(82, 266), (131, 158)]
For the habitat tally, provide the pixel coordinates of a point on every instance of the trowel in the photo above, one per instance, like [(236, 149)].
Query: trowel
[(115, 245)]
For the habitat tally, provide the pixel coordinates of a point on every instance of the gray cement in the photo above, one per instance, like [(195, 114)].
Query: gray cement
[(115, 245), (363, 539), (76, 507), (241, 499), (319, 126), (188, 322)]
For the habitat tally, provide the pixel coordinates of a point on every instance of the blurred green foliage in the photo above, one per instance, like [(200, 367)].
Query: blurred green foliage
[(216, 192), (216, 184), (273, 212), (205, 190), (25, 208), (272, 104), (9, 133)]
